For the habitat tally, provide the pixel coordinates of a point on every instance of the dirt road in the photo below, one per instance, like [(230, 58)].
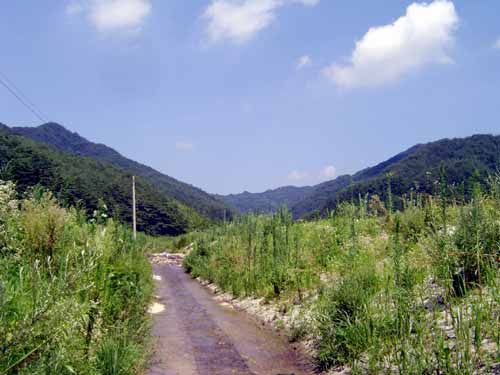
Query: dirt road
[(196, 335)]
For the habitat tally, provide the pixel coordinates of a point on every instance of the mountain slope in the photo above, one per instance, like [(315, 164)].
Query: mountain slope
[(268, 201), (59, 137), (416, 168), (82, 181)]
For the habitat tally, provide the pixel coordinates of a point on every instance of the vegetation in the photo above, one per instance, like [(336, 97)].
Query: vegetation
[(398, 273), (73, 293), (63, 140), (83, 182), (410, 289)]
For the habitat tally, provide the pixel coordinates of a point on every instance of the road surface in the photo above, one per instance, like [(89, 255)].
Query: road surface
[(195, 335)]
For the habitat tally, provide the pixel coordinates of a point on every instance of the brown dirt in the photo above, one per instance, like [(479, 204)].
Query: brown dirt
[(197, 335)]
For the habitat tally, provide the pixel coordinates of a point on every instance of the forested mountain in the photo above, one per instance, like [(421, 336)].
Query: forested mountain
[(64, 140), (415, 169), (268, 201), (82, 181)]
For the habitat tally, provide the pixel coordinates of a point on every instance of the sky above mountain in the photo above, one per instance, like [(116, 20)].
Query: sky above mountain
[(233, 95)]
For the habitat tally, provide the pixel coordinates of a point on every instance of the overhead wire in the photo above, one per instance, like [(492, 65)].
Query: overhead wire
[(22, 98)]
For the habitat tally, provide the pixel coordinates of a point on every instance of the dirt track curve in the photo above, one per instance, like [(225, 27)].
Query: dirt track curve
[(196, 335)]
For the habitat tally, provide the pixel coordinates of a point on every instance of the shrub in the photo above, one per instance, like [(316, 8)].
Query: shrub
[(73, 295), (344, 325), (42, 222)]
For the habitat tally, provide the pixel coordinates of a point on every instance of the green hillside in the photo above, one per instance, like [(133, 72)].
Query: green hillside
[(81, 181), (62, 139)]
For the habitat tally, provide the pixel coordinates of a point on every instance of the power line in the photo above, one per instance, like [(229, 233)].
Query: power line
[(22, 94), (25, 102)]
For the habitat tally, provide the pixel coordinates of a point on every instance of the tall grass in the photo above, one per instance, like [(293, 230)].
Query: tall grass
[(411, 291), (73, 294), (270, 258)]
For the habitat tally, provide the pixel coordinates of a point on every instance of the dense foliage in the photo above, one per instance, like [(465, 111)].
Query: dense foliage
[(380, 290), (81, 181), (57, 136), (73, 293)]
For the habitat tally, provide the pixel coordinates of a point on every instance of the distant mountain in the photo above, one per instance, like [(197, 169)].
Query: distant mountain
[(268, 201), (84, 182), (57, 136), (414, 169)]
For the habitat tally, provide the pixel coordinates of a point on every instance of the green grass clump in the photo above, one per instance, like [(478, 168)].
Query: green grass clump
[(344, 324), (73, 293)]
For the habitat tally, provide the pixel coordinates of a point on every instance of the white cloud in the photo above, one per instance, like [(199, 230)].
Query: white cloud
[(240, 20), (112, 15), (184, 146), (303, 62), (421, 37), (297, 176), (497, 44), (328, 173)]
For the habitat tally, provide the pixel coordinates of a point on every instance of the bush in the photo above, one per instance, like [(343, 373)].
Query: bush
[(42, 222), (73, 295)]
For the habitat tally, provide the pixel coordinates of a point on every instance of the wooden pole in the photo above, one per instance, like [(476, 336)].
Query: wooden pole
[(134, 215)]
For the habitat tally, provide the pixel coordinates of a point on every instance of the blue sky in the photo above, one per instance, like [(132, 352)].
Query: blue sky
[(233, 95)]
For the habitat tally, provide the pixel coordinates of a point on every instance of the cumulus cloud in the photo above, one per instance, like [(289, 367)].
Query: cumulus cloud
[(303, 62), (184, 146), (112, 15), (240, 20), (328, 173), (421, 37)]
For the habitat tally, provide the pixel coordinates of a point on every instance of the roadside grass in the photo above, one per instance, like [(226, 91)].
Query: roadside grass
[(73, 293), (413, 290)]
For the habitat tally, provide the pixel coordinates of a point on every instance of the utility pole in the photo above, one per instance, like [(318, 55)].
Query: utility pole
[(134, 215)]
